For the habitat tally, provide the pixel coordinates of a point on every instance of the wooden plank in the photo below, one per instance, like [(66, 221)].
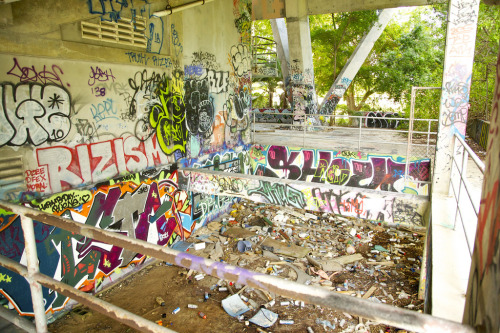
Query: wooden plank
[(370, 292)]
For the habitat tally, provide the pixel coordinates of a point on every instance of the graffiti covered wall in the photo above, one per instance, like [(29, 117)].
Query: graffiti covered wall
[(148, 206), (80, 113), (355, 169), (342, 200), (78, 122)]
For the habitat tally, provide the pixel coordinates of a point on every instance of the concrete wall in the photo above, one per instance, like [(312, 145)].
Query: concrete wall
[(346, 168), (390, 207), (340, 182), (98, 127)]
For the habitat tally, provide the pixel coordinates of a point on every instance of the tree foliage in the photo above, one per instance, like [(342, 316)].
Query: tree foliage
[(408, 53), (484, 70)]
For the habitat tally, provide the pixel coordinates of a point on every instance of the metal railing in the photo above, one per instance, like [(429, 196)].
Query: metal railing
[(460, 158), (360, 124), (382, 313), (365, 136)]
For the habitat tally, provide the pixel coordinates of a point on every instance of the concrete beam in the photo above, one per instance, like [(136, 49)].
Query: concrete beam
[(280, 35), (271, 9), (343, 200), (327, 6), (356, 60), (304, 100)]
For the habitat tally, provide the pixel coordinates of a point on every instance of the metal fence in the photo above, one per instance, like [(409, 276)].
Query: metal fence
[(398, 317), (468, 204)]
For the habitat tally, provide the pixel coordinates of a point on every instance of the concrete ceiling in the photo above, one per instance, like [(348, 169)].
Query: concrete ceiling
[(269, 9)]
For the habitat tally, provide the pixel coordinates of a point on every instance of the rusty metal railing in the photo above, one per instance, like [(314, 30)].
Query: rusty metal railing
[(390, 315), (468, 218)]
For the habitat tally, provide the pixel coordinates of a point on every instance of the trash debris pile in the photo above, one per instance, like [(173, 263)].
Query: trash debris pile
[(352, 256), (355, 257)]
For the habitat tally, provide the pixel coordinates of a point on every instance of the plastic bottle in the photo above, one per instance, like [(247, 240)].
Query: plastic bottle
[(202, 315)]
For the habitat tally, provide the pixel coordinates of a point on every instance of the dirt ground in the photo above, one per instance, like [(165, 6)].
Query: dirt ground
[(376, 262)]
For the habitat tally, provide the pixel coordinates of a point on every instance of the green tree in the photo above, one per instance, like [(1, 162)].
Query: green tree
[(484, 70), (334, 37), (408, 53)]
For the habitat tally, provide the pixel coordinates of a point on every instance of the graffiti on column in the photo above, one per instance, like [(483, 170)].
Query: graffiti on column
[(242, 11), (336, 95), (458, 67)]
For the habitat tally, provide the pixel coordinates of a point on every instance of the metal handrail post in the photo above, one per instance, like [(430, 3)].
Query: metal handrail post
[(33, 269), (428, 135), (463, 172), (253, 135), (359, 135), (304, 131)]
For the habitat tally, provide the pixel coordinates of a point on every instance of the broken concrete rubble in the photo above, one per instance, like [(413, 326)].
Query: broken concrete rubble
[(353, 256)]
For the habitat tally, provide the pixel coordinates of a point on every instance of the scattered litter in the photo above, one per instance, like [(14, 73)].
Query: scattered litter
[(351, 256), (403, 295), (199, 246), (325, 323), (234, 306), (182, 246), (217, 252), (370, 292), (380, 248), (244, 246), (264, 318)]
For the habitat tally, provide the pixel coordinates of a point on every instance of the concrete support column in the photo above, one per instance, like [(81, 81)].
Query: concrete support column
[(459, 57), (280, 35), (304, 99), (482, 307)]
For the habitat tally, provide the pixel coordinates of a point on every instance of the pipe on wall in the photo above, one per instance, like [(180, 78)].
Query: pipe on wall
[(169, 10)]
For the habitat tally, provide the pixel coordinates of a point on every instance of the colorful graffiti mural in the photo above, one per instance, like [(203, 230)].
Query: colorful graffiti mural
[(147, 206), (347, 168)]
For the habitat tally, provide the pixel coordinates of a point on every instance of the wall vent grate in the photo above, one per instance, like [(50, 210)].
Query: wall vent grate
[(11, 171), (123, 32)]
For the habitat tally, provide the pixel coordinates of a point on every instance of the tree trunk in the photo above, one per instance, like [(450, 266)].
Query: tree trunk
[(270, 102)]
